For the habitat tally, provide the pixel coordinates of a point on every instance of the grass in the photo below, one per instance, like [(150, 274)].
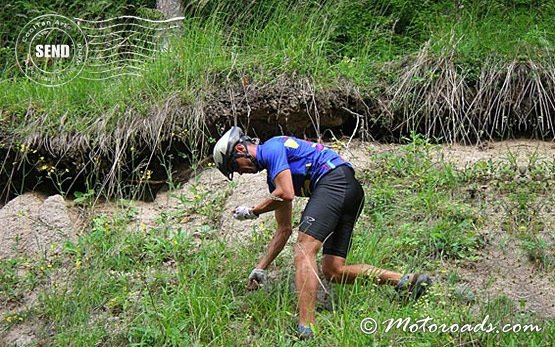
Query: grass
[(326, 42), (410, 189), (173, 283)]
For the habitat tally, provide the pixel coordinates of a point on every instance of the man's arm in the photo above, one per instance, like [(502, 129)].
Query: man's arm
[(283, 232), (281, 196), (281, 202)]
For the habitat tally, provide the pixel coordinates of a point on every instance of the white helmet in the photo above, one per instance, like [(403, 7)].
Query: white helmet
[(224, 149)]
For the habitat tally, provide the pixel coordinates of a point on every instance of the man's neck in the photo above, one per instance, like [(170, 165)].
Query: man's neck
[(252, 148)]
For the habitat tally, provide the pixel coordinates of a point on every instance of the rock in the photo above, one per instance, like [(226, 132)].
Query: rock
[(31, 226), (55, 223), (16, 222)]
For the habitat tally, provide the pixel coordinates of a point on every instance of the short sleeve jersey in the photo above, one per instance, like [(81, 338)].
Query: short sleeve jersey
[(308, 161)]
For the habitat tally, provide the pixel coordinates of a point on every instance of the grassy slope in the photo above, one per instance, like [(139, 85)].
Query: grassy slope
[(163, 286), (220, 43)]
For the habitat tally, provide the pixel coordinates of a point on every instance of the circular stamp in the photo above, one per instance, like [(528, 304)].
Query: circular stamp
[(51, 50)]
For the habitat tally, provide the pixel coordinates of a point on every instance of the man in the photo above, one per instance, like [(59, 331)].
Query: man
[(301, 168)]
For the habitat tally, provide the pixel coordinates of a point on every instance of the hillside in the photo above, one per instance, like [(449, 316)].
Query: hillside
[(455, 71)]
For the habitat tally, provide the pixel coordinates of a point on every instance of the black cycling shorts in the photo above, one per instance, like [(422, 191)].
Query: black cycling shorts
[(333, 209)]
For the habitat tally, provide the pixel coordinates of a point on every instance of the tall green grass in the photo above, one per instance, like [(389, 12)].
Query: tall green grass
[(220, 42)]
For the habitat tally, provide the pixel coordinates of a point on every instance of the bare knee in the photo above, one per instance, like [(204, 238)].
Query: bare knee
[(306, 248), (304, 252), (332, 267), (332, 273)]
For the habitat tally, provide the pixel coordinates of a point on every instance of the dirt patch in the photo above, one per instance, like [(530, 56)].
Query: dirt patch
[(251, 189), (522, 150), (178, 205), (461, 156), (22, 335), (36, 227), (173, 201), (504, 269)]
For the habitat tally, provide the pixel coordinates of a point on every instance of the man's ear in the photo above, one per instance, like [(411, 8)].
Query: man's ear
[(240, 148)]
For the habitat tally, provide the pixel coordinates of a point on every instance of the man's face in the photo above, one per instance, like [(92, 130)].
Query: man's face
[(243, 164)]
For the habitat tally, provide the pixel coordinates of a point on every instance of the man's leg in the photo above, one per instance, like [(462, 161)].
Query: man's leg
[(335, 270), (306, 276)]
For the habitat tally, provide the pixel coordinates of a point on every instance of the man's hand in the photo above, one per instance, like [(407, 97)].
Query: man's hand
[(243, 213), (257, 279)]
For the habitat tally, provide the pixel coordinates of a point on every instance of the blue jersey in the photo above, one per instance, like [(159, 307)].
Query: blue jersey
[(308, 161)]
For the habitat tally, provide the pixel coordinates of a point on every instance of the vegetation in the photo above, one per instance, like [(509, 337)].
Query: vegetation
[(175, 283), (326, 41)]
